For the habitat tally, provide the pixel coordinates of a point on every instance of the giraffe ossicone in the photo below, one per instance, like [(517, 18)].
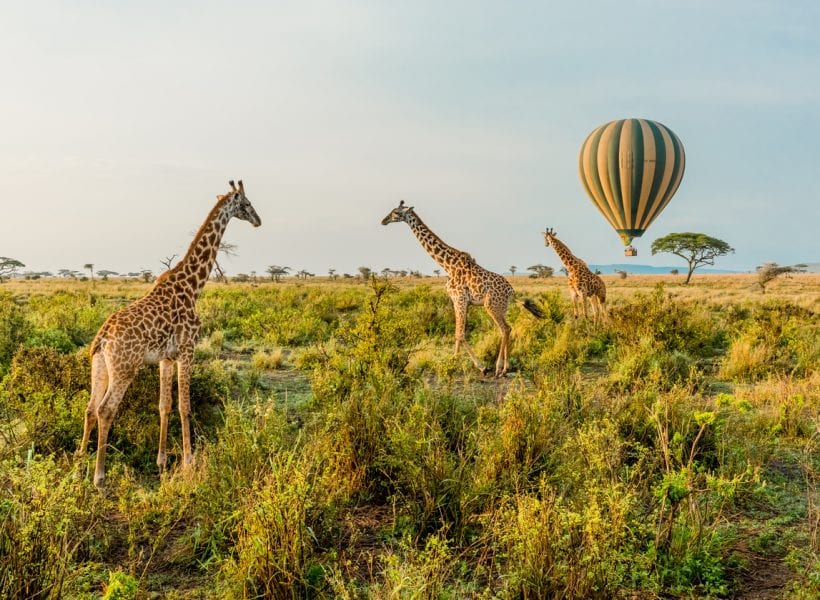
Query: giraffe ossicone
[(468, 284), (161, 327)]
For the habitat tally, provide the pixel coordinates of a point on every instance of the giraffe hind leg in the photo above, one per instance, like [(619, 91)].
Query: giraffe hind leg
[(460, 305), (502, 360), (106, 411), (99, 385)]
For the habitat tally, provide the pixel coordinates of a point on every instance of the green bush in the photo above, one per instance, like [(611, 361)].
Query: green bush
[(49, 521), (47, 392), (13, 330)]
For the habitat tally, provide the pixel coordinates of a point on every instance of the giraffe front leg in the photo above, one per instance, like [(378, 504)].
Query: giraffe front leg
[(166, 379), (502, 360), (460, 305), (574, 295), (184, 382)]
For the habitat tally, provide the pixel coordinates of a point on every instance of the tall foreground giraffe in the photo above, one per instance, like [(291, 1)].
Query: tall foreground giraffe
[(161, 327), (468, 283), (582, 282)]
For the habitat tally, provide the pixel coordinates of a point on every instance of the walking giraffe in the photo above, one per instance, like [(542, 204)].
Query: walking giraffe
[(582, 282), (161, 327), (468, 283)]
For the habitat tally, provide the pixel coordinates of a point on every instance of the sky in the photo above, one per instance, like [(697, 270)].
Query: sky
[(120, 122)]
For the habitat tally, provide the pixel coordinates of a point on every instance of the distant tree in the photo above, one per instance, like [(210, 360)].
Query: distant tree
[(276, 272), (253, 276), (8, 267), (365, 273), (347, 276), (513, 269), (228, 250), (621, 273), (146, 275), (332, 274), (241, 278), (304, 274), (89, 267), (697, 249), (564, 271), (541, 271), (68, 273), (771, 270), (437, 272), (597, 271), (105, 274), (674, 271), (166, 262)]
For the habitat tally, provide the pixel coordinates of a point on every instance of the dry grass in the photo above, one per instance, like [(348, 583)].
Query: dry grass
[(802, 289)]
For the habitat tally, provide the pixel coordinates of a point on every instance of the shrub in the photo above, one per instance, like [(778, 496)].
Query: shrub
[(13, 330), (48, 520), (274, 544), (48, 392)]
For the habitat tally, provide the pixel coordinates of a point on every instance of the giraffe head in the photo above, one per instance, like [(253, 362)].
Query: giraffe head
[(549, 233), (400, 213), (239, 205)]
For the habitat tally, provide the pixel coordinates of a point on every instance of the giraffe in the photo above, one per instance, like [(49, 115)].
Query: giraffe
[(161, 327), (468, 283), (582, 282)]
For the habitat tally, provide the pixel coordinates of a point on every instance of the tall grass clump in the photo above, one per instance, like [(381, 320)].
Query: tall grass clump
[(275, 542), (49, 522), (13, 330), (776, 337)]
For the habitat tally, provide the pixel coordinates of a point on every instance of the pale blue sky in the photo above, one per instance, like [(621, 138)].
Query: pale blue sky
[(122, 121)]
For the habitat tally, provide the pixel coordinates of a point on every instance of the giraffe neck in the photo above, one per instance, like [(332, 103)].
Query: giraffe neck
[(193, 271), (445, 255), (568, 258)]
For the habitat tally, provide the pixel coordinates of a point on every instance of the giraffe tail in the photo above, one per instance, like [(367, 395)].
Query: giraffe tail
[(531, 306), (95, 345)]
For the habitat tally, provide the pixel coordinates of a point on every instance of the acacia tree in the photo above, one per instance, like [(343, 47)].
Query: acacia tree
[(697, 249), (8, 267), (89, 267), (106, 273), (276, 272), (513, 269), (540, 271), (771, 270)]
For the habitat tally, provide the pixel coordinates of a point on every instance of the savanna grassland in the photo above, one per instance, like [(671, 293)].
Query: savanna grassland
[(342, 451)]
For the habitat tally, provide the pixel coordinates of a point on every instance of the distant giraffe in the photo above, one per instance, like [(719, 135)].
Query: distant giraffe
[(161, 327), (582, 282), (468, 284)]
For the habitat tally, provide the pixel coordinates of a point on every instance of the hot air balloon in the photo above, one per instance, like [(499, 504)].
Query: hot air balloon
[(631, 169)]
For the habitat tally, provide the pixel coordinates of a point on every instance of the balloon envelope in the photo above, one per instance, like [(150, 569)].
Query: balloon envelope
[(630, 169)]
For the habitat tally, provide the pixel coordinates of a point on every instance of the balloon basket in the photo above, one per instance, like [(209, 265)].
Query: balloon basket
[(630, 251)]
